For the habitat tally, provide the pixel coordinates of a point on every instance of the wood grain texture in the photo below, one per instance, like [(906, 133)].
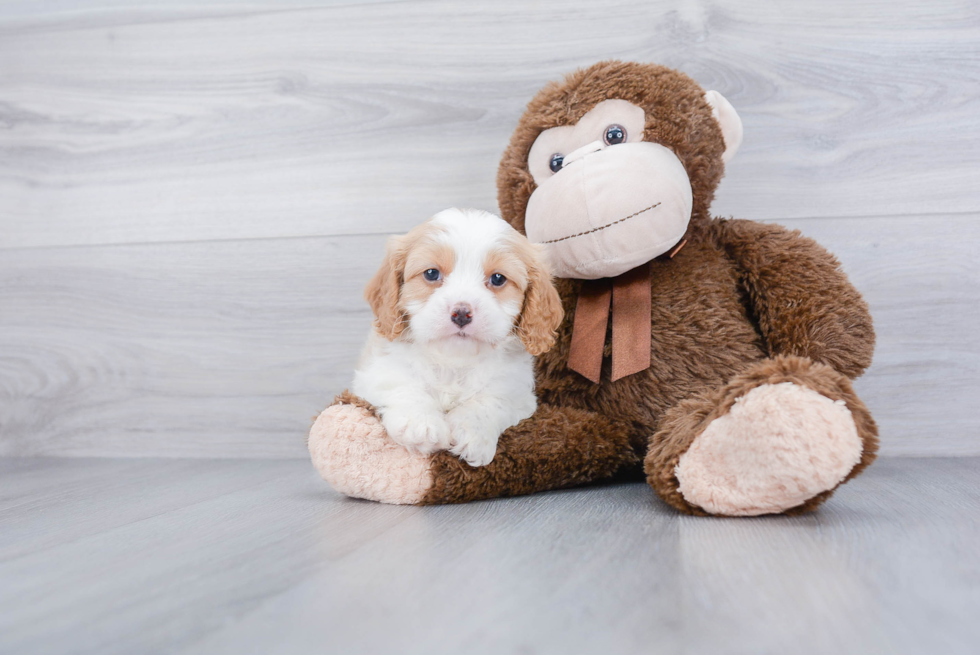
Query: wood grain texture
[(144, 123), (192, 196), (228, 349), (214, 348), (211, 556)]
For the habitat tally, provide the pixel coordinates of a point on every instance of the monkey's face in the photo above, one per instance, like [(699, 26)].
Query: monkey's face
[(606, 201), (617, 160)]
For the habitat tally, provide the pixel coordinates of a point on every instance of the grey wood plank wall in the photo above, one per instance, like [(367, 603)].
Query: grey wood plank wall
[(192, 197)]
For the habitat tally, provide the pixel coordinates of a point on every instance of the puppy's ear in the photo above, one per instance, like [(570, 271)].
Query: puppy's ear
[(383, 292), (542, 312)]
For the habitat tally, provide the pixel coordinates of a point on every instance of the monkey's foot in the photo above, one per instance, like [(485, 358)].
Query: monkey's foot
[(780, 437), (779, 446), (352, 452)]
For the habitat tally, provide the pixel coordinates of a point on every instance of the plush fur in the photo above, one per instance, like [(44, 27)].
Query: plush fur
[(352, 451), (742, 306), (778, 446)]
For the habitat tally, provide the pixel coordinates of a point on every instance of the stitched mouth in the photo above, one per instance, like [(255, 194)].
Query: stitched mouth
[(603, 227)]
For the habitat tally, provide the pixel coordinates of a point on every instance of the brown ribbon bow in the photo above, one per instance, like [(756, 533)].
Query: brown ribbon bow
[(629, 295)]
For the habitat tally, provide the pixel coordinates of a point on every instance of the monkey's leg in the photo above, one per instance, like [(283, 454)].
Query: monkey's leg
[(555, 448), (779, 437)]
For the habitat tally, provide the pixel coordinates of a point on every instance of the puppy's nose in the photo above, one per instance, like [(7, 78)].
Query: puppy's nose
[(462, 315)]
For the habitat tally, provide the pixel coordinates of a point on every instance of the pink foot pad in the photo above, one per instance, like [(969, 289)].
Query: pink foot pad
[(352, 451), (779, 446)]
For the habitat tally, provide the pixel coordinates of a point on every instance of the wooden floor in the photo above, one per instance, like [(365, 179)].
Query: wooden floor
[(241, 556)]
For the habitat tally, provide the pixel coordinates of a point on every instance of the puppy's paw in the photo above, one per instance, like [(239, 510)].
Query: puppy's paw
[(478, 452), (418, 430), (471, 440)]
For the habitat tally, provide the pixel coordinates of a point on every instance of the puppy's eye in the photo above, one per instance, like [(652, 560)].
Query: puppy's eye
[(556, 161), (614, 134), (497, 280), (432, 275)]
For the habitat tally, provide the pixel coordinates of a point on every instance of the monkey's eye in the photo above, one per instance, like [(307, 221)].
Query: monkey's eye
[(556, 160), (497, 280), (614, 134), (432, 275)]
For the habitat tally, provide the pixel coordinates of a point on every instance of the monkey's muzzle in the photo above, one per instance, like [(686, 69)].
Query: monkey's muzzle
[(610, 209)]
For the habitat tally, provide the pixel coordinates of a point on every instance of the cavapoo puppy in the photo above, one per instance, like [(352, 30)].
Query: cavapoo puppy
[(461, 303)]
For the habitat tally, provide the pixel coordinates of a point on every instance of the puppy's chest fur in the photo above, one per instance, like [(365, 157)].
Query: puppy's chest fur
[(452, 375)]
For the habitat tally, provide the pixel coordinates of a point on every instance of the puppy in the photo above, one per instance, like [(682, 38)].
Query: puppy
[(461, 303)]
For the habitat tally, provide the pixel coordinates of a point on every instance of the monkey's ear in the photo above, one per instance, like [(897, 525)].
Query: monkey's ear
[(383, 292), (731, 124)]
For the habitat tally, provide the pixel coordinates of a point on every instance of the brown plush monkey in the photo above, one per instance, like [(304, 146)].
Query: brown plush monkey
[(713, 355)]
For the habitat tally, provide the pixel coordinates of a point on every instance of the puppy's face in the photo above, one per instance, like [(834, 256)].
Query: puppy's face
[(465, 276)]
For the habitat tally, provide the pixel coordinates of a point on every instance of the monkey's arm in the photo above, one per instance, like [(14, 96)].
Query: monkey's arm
[(802, 301), (556, 447)]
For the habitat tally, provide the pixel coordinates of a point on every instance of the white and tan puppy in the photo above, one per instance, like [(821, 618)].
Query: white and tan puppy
[(461, 303)]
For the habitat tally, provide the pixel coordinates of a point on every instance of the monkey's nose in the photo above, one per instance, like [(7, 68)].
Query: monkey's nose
[(462, 315), (587, 149)]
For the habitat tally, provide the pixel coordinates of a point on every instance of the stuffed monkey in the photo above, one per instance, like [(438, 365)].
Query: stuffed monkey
[(714, 356)]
